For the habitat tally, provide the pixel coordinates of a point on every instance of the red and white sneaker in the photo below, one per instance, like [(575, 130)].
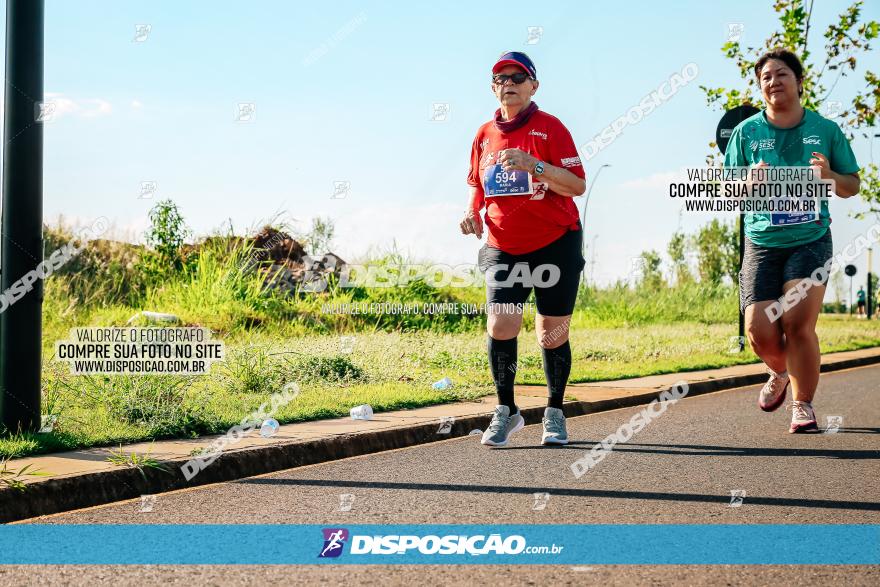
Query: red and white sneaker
[(803, 419), (773, 393)]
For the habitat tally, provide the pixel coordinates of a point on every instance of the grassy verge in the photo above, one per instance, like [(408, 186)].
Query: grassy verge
[(387, 361), (389, 371)]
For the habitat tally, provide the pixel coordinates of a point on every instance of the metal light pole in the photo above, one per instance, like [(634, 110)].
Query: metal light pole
[(871, 293), (850, 297), (593, 259), (22, 218), (850, 271), (723, 132), (869, 303), (584, 219), (741, 244)]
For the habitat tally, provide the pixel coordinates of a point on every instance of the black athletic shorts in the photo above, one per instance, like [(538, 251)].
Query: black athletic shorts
[(765, 269), (551, 298)]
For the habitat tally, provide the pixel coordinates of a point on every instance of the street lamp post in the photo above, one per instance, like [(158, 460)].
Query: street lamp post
[(592, 259), (869, 305), (723, 132), (584, 220), (22, 221)]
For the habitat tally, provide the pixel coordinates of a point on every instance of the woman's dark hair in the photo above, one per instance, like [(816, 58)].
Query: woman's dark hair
[(785, 56)]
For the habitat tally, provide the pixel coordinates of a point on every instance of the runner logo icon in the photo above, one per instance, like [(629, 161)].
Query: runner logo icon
[(334, 541)]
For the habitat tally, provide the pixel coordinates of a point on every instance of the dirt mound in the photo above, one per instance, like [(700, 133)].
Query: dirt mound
[(280, 247), (280, 258), (287, 267)]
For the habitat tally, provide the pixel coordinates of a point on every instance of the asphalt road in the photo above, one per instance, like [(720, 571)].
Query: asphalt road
[(680, 469)]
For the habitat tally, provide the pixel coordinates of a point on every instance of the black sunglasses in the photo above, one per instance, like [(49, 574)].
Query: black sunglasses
[(518, 78)]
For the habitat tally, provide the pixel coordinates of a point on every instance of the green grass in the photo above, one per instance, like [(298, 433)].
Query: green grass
[(388, 370), (134, 460), (391, 363), (12, 478)]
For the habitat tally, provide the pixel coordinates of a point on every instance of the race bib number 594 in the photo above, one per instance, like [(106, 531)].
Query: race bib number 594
[(497, 182)]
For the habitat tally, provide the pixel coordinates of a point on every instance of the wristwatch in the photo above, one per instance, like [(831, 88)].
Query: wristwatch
[(539, 168)]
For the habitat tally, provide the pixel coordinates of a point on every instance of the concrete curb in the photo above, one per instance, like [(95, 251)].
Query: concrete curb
[(85, 490)]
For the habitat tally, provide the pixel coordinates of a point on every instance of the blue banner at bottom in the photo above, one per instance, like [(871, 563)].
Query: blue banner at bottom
[(852, 544)]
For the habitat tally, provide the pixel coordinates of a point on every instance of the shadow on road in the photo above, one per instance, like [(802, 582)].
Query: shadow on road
[(703, 450), (559, 491)]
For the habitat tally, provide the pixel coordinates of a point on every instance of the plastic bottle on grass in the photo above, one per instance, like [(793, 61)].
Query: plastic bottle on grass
[(362, 412)]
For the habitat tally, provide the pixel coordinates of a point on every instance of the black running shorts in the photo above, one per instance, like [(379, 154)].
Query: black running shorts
[(552, 297)]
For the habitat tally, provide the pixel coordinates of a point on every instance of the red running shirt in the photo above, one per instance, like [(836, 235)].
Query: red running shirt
[(522, 224)]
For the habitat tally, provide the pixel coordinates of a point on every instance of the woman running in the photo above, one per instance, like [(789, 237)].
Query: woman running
[(525, 169), (782, 249)]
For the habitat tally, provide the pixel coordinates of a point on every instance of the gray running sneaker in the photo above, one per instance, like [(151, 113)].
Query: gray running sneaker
[(502, 426), (554, 427)]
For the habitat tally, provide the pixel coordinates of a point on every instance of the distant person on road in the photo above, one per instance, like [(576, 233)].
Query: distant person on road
[(526, 171), (860, 300), (783, 248)]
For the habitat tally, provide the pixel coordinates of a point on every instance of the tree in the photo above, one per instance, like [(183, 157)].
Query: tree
[(648, 271), (677, 251), (319, 239), (717, 247), (166, 233), (844, 40)]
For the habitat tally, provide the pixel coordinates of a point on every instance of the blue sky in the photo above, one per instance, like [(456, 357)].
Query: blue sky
[(344, 92)]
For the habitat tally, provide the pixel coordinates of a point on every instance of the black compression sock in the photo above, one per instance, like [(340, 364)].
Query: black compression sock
[(502, 359), (557, 366)]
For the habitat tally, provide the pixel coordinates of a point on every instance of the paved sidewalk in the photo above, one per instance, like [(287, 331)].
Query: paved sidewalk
[(84, 477)]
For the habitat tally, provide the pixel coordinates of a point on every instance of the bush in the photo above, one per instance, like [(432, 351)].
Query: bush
[(334, 369), (104, 273), (158, 403), (250, 370)]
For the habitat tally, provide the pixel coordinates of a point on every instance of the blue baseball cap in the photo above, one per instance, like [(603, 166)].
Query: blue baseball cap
[(516, 58)]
